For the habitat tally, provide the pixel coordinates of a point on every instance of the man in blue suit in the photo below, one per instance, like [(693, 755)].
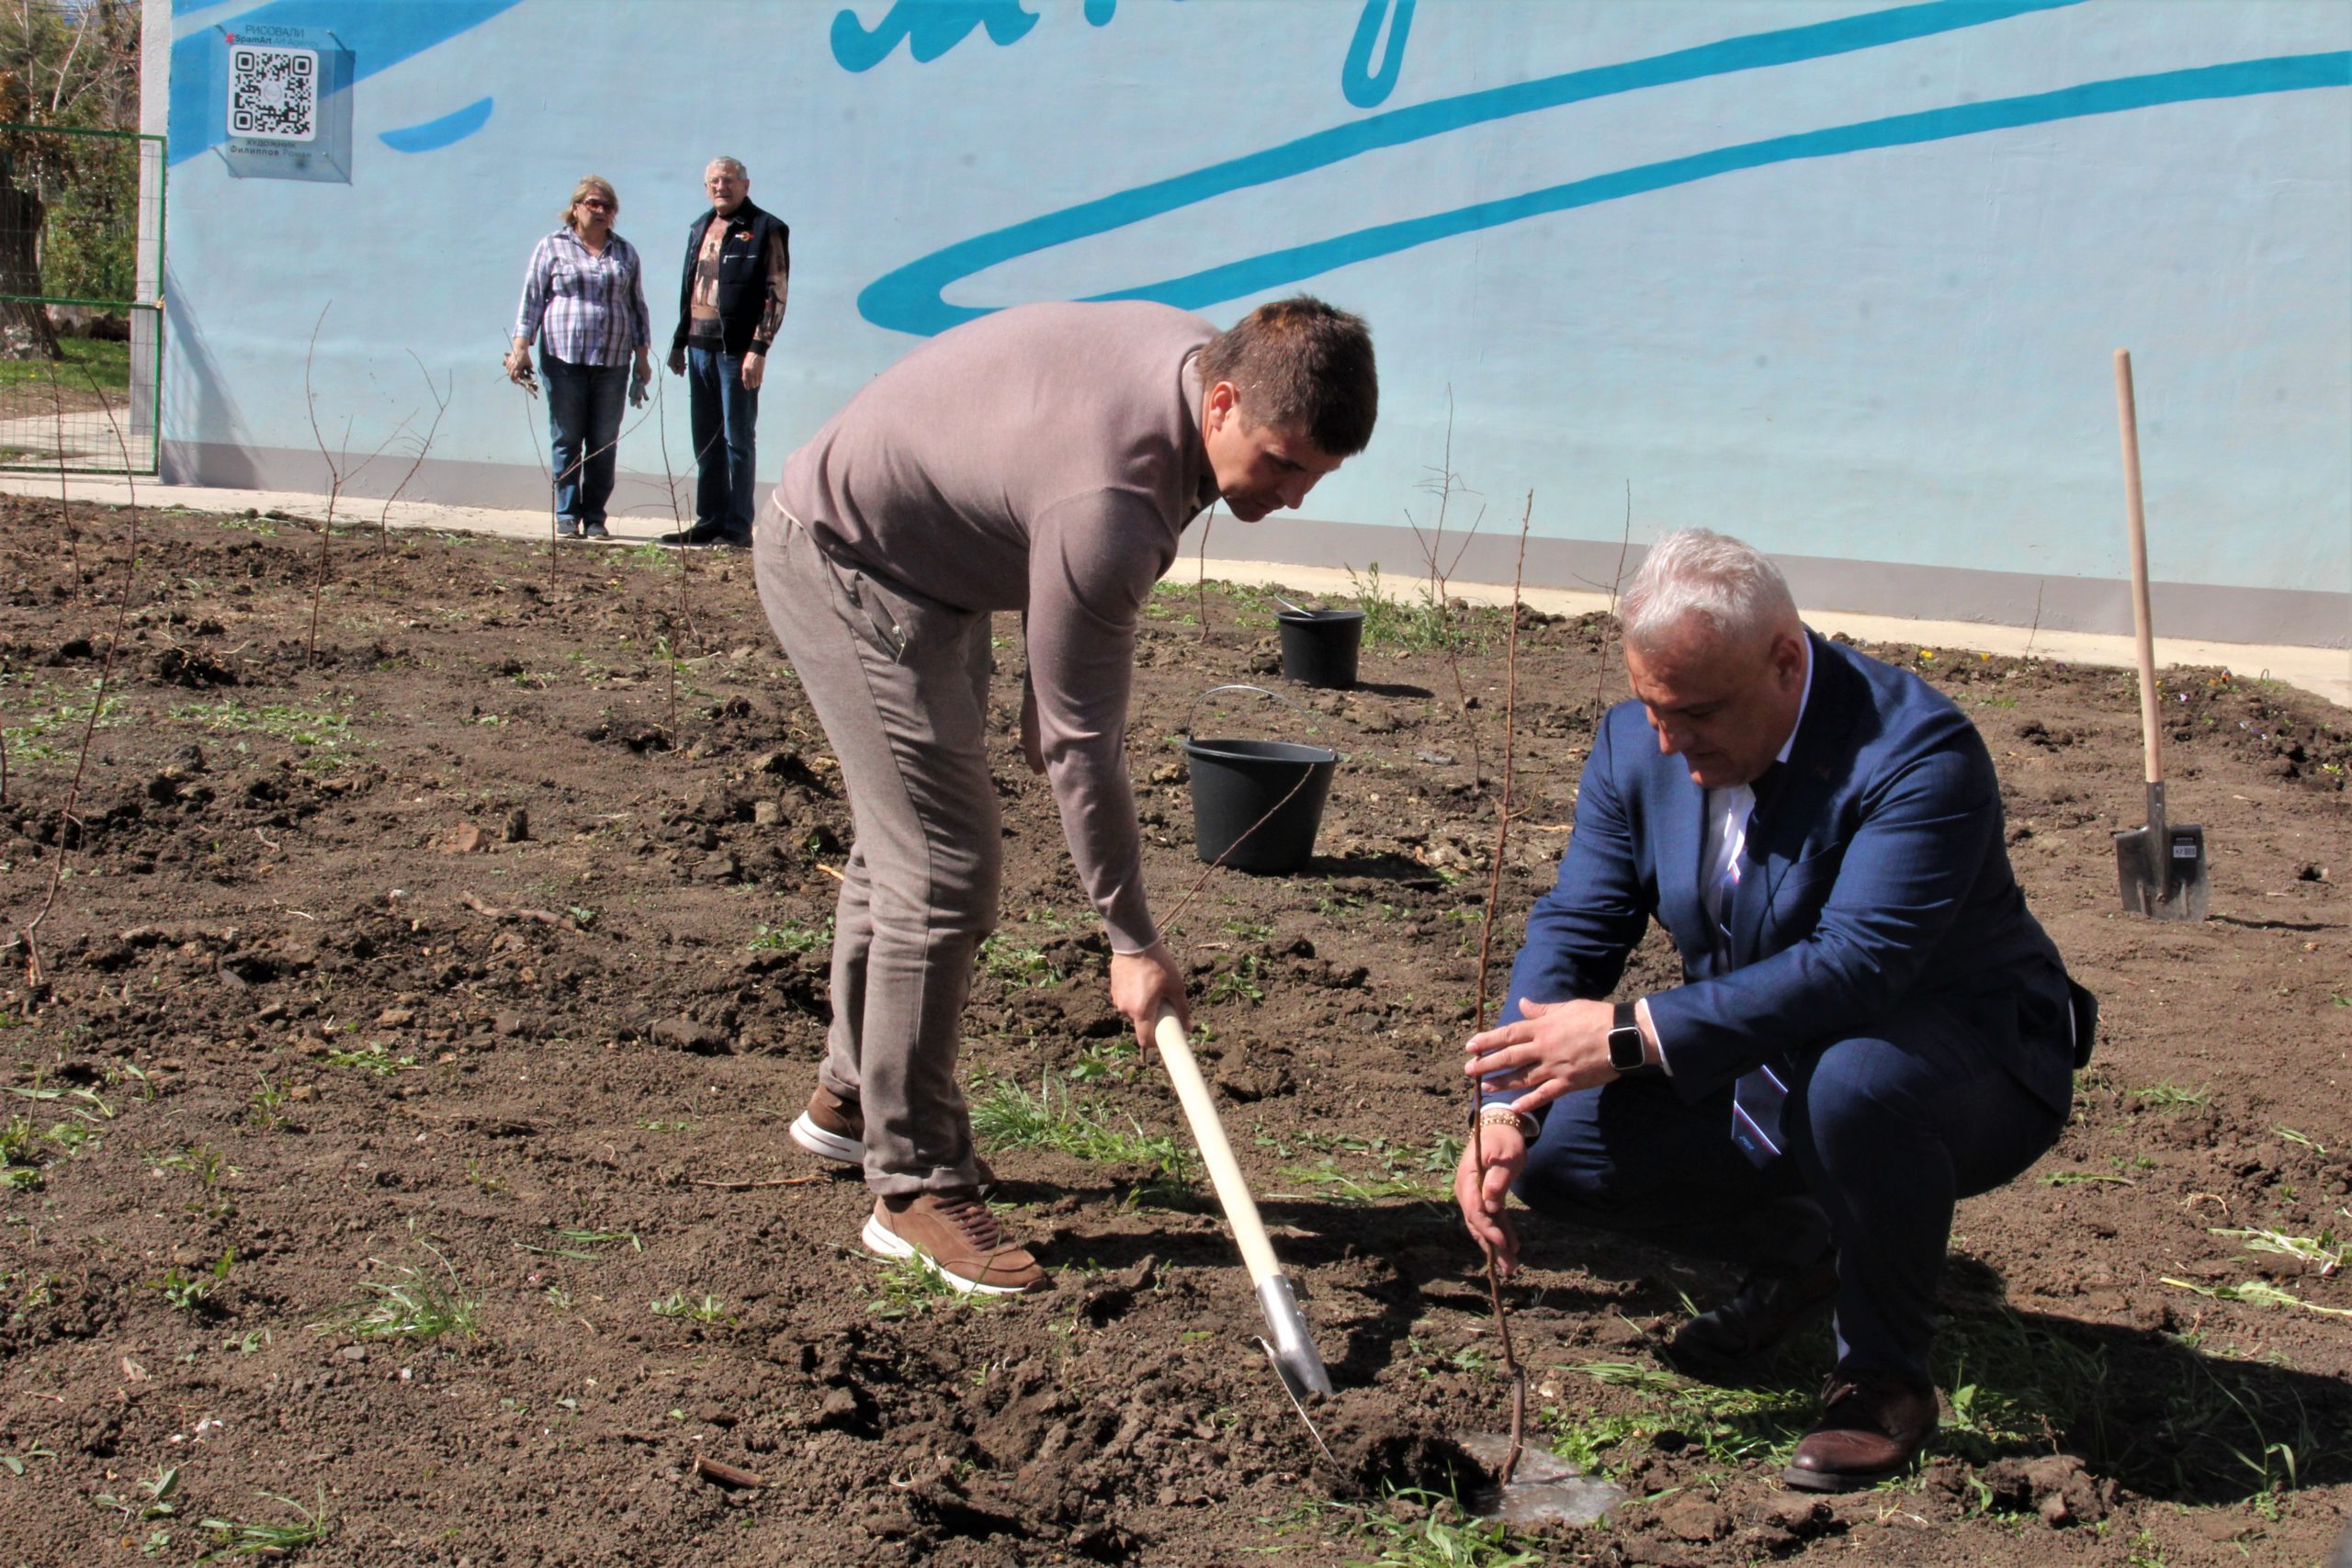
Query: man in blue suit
[(1870, 1025)]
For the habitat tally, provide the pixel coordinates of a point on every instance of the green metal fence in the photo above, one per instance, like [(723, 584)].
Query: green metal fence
[(81, 300)]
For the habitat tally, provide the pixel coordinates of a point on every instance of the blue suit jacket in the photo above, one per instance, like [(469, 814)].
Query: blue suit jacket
[(1877, 881)]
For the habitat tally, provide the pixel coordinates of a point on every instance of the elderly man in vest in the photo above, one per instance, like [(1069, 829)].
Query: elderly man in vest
[(730, 306)]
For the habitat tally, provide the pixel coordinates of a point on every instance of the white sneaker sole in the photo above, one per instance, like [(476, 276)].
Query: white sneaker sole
[(832, 1145), (881, 1240)]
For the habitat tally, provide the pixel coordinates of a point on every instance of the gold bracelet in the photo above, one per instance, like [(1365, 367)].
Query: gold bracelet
[(1504, 1116)]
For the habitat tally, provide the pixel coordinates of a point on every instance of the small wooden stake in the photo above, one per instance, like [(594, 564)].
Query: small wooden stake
[(726, 1476)]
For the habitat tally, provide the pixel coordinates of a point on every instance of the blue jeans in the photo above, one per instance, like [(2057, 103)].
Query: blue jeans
[(724, 412), (584, 407), (1884, 1133)]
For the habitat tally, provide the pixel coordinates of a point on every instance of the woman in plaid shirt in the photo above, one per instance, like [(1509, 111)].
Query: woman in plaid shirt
[(583, 299)]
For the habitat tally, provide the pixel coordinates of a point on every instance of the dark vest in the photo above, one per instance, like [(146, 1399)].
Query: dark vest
[(743, 280)]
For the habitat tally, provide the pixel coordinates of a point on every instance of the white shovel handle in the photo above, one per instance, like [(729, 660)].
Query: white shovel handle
[(2135, 519), (1208, 1134)]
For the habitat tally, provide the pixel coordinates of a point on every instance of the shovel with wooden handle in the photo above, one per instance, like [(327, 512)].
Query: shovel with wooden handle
[(2160, 868), (1292, 1348)]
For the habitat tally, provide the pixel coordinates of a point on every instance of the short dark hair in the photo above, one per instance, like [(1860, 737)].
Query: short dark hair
[(1303, 364)]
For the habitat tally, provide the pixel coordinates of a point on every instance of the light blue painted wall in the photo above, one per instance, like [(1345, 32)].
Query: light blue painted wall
[(1843, 279)]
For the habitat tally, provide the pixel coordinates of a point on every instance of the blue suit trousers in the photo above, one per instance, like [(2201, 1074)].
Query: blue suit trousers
[(1885, 1132)]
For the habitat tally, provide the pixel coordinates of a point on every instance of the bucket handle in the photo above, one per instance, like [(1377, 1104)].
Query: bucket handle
[(1194, 712)]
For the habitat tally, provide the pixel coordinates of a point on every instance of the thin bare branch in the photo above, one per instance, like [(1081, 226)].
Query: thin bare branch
[(1440, 589), (1168, 927), (1511, 1367), (334, 474), (65, 66), (440, 396), (64, 505), (1609, 623), (1201, 572), (97, 706)]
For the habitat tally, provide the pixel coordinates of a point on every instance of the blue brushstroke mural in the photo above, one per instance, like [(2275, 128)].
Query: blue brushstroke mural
[(1844, 278), (435, 134), (930, 28), (1359, 82), (908, 299)]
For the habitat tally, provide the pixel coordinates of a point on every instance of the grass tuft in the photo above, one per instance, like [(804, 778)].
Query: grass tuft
[(1727, 1427), (1015, 965), (374, 1059), (1421, 623), (1009, 1116), (2256, 1292), (911, 1287), (1412, 1529), (2326, 1251), (699, 1309), (234, 1538), (793, 937), (412, 1304), (323, 734)]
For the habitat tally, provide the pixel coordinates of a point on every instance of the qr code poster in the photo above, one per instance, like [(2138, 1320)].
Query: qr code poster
[(284, 98), (272, 94)]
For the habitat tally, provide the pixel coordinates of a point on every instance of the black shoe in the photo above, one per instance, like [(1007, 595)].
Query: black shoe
[(735, 541), (1731, 1343), (594, 531), (700, 533)]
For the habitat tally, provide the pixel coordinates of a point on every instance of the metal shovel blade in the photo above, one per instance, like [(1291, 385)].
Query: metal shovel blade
[(1292, 1350), (2160, 869), (1298, 1392)]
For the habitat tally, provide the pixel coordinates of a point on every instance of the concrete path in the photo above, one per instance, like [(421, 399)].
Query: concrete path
[(2326, 671)]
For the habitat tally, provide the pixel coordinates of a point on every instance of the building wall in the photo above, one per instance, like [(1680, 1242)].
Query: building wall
[(1842, 279)]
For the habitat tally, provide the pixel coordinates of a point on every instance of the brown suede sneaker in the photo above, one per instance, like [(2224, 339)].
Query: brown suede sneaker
[(957, 1237), (835, 1128), (832, 1127)]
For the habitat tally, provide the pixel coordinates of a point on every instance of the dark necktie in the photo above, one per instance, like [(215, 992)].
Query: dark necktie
[(1758, 1096)]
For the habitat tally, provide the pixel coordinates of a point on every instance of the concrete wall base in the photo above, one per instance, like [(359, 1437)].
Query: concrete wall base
[(2308, 618)]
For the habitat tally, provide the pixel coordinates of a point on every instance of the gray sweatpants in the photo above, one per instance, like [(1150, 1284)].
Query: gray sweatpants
[(900, 684)]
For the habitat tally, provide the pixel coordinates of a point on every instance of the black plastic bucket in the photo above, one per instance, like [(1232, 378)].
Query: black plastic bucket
[(1257, 804), (1320, 647)]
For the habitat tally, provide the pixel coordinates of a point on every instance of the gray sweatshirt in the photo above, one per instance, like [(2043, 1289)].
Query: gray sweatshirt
[(1045, 458)]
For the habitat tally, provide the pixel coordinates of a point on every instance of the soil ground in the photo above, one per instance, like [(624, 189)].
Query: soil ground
[(464, 973)]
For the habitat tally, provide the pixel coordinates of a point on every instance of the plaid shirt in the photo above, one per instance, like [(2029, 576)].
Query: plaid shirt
[(590, 308)]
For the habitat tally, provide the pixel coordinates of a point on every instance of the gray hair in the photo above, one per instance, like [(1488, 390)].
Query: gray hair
[(1731, 591), (733, 165)]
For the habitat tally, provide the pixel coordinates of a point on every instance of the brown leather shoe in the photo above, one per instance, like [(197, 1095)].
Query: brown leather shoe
[(1871, 1429), (1731, 1342), (957, 1237)]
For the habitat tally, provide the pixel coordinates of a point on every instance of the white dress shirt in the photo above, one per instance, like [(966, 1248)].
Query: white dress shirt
[(1720, 854)]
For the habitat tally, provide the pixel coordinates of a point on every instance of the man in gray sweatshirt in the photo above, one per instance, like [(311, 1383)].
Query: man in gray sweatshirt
[(1045, 458)]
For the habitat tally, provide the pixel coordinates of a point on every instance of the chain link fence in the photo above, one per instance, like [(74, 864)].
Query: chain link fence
[(81, 299)]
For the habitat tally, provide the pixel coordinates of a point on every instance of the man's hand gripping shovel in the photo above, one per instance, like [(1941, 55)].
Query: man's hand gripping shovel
[(1292, 1348)]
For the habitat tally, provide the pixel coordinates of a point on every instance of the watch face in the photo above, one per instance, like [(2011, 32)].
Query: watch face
[(1625, 1051)]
